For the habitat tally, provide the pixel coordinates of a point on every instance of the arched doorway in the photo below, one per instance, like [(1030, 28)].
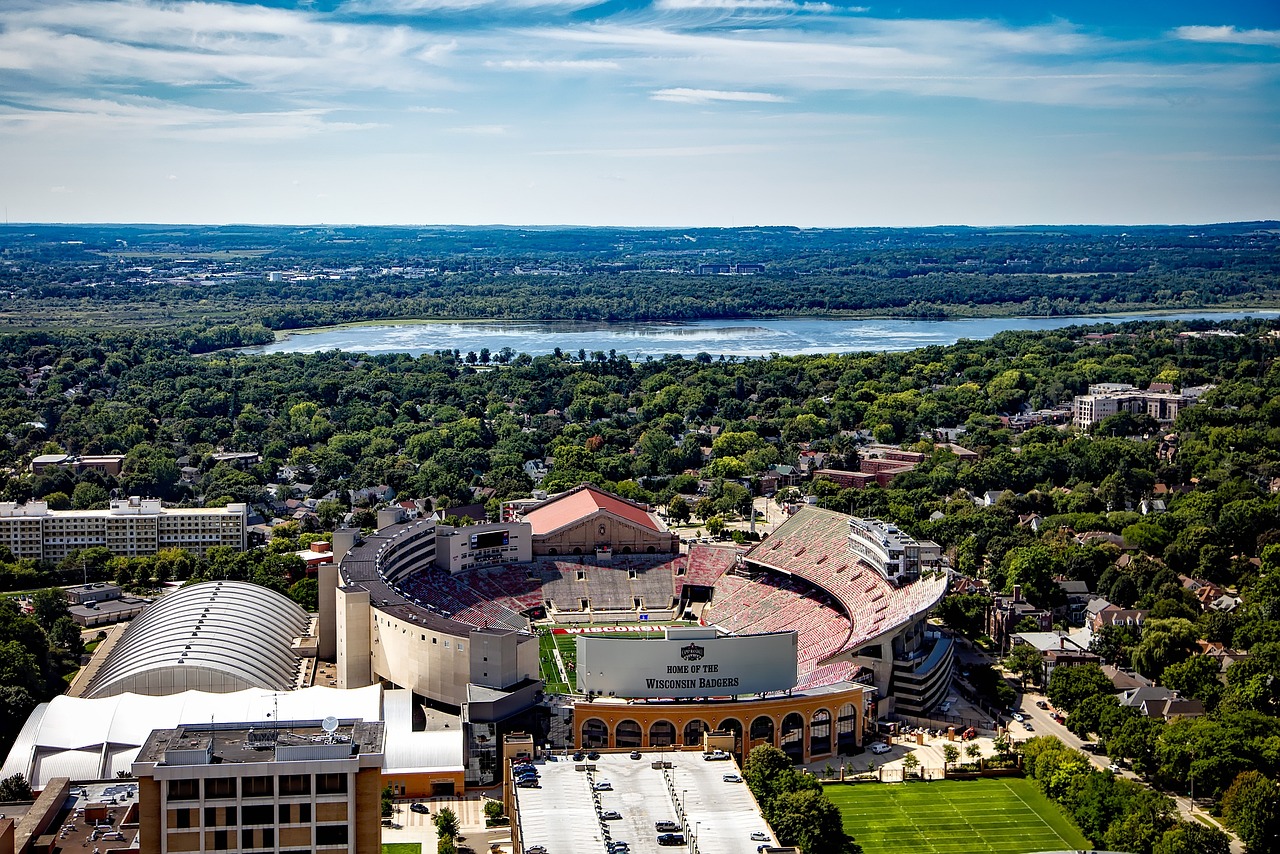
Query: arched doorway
[(734, 726), (693, 731), (762, 730), (847, 729), (820, 733), (595, 733), (577, 550), (662, 734), (792, 742), (627, 735)]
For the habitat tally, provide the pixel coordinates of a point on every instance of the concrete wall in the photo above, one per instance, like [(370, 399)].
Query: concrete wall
[(327, 577), (353, 633)]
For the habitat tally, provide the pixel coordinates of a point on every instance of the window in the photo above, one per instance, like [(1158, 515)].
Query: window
[(184, 790), (220, 841), (295, 784), (257, 787), (256, 814), (216, 788), (331, 834), (182, 818), (331, 784), (211, 816)]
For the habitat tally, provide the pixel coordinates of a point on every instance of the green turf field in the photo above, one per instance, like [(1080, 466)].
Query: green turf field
[(1002, 815), (568, 646)]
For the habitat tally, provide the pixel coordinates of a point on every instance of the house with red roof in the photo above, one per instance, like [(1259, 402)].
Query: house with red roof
[(587, 520)]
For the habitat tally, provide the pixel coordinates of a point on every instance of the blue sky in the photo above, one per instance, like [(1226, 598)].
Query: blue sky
[(670, 112)]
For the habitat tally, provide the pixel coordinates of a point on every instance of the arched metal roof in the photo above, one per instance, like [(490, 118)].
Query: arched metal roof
[(242, 633)]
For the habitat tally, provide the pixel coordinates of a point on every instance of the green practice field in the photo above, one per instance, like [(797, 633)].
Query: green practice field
[(993, 816)]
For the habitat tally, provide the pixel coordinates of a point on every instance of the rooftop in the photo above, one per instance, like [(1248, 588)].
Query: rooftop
[(240, 743), (581, 502)]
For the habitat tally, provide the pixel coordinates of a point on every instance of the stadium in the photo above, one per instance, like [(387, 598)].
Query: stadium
[(476, 622)]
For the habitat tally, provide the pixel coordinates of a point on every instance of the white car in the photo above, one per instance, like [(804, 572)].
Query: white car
[(1019, 717), (731, 778), (880, 747), (759, 836), (604, 786)]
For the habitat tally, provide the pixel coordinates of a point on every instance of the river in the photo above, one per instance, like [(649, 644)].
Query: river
[(746, 338)]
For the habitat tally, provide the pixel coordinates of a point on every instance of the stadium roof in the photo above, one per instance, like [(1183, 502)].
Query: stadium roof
[(581, 502), (93, 739), (217, 635)]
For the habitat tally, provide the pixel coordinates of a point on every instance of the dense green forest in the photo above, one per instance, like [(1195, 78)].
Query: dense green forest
[(158, 275), (438, 428)]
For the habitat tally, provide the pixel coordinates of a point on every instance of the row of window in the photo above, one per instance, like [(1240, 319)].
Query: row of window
[(265, 837), (252, 814), (225, 788)]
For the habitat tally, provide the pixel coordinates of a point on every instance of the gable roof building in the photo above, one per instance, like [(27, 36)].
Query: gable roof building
[(586, 520)]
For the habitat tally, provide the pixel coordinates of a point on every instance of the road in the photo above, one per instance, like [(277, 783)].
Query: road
[(1043, 724)]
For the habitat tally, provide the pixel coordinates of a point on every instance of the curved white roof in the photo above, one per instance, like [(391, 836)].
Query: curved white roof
[(216, 636), (92, 739)]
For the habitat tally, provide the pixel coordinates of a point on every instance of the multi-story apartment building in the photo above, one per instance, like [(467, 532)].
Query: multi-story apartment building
[(279, 786), (128, 527), (1107, 399)]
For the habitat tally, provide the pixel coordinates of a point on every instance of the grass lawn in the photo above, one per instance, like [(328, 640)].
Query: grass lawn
[(568, 646), (1002, 815), (402, 848)]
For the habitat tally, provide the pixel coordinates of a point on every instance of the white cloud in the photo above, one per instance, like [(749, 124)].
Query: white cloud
[(662, 151), (419, 7), (706, 96), (757, 6), (553, 64), (1229, 35), (481, 130)]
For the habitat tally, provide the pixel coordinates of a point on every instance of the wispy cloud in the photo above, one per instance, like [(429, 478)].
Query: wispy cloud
[(1229, 35), (758, 6), (554, 64), (662, 151), (481, 130), (706, 96), (417, 7)]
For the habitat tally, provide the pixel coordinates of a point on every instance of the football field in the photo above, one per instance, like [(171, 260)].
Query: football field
[(1003, 815)]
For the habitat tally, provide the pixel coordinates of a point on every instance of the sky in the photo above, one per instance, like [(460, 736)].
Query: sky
[(640, 112)]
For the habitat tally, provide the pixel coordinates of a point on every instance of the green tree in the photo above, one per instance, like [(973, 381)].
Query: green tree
[(678, 509), (446, 822), (1196, 677), (1192, 837), (306, 592), (1071, 686), (811, 821), (1025, 660), (15, 788), (48, 606), (1164, 642), (950, 755), (909, 764), (1252, 809), (65, 635)]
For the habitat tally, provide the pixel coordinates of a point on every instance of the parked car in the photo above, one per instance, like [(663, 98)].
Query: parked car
[(610, 815), (535, 849), (731, 778), (1027, 726), (593, 755), (716, 756), (1019, 717), (665, 826), (529, 783), (671, 839), (635, 754), (880, 747), (945, 707), (759, 836), (422, 808), (604, 786), (1113, 768), (1041, 704), (619, 847)]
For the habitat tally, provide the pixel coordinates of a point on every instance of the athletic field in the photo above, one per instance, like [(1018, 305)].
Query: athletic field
[(1002, 815), (560, 682)]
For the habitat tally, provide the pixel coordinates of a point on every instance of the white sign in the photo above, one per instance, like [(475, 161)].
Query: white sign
[(687, 668)]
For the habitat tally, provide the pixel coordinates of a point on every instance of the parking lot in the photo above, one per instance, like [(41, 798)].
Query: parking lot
[(561, 815)]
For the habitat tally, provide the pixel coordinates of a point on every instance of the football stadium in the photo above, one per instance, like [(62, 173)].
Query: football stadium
[(578, 618)]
